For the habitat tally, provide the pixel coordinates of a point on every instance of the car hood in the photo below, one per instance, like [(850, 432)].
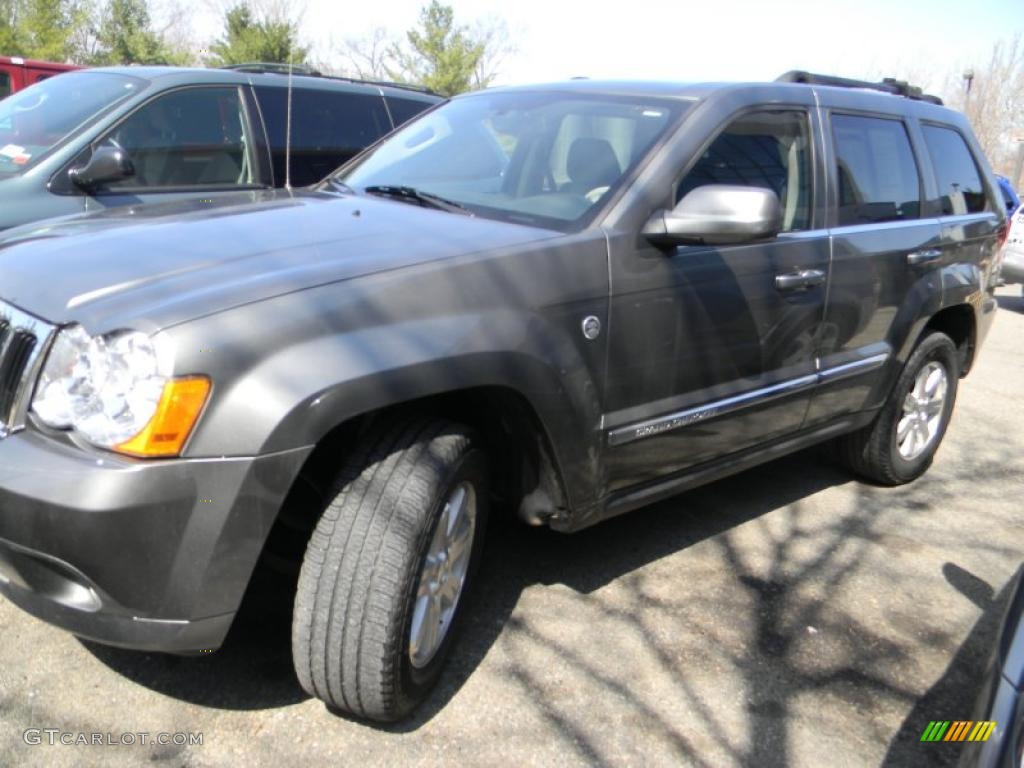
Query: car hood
[(151, 266)]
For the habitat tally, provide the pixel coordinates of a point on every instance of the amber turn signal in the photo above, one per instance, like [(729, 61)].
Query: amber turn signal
[(176, 414)]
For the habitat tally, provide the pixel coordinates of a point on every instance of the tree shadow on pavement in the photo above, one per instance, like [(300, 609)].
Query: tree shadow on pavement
[(952, 696)]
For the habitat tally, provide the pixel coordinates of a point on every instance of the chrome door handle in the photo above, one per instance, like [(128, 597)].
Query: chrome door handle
[(924, 257), (800, 280)]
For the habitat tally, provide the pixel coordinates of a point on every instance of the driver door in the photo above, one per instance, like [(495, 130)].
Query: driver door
[(710, 352), (184, 143)]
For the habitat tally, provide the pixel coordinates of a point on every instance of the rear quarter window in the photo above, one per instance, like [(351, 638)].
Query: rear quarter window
[(876, 172), (5, 84), (956, 172), (328, 128), (404, 110)]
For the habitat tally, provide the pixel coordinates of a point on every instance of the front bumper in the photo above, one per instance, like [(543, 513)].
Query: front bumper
[(153, 555)]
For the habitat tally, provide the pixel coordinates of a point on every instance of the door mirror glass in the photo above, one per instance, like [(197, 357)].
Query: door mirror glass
[(718, 214), (107, 165)]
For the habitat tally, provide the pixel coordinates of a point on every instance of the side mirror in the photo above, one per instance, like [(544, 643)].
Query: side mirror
[(718, 214), (107, 164)]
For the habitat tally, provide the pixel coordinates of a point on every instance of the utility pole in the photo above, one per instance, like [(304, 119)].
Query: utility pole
[(968, 81)]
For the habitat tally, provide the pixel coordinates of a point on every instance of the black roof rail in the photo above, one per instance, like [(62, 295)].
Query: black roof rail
[(887, 85), (274, 68)]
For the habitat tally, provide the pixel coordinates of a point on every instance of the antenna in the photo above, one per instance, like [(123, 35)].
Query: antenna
[(288, 126)]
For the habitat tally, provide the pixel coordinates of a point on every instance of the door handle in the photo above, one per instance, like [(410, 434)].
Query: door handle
[(801, 280), (924, 257)]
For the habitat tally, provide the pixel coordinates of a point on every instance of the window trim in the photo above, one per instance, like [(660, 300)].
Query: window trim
[(992, 206), (832, 172), (815, 225)]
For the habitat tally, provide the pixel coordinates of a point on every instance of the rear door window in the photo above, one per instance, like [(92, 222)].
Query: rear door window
[(195, 137), (404, 110), (876, 171), (328, 128), (5, 84), (956, 173)]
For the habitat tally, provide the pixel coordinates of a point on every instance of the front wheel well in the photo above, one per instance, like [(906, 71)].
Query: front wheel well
[(959, 324), (520, 458)]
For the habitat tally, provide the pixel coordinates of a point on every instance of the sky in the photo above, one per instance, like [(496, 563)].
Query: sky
[(709, 40)]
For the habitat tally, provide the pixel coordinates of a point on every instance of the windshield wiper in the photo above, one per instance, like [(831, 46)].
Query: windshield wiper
[(417, 196)]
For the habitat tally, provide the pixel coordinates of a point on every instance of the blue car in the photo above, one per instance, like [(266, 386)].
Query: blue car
[(1009, 195)]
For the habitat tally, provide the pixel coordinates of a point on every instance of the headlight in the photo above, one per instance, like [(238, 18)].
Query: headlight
[(116, 391)]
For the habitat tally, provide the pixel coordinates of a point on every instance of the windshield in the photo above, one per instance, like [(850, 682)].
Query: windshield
[(37, 119), (544, 159)]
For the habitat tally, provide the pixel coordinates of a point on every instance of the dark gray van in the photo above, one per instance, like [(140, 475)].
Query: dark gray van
[(563, 301), (97, 138)]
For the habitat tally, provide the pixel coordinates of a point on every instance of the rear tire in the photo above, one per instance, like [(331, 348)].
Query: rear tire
[(366, 574), (899, 445)]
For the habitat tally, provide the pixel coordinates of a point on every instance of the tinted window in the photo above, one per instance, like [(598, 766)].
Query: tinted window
[(188, 138), (876, 171), (5, 84), (404, 110), (328, 128), (768, 149), (956, 174)]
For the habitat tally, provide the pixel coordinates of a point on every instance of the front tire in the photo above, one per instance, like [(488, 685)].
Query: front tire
[(387, 568), (899, 445)]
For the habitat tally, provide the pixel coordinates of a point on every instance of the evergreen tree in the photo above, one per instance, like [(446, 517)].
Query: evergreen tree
[(248, 39), (442, 55)]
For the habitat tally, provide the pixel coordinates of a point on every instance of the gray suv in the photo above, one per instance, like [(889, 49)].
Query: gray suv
[(99, 138), (565, 302)]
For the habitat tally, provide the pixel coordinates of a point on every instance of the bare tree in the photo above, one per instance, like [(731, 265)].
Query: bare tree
[(493, 33), (368, 57), (992, 97)]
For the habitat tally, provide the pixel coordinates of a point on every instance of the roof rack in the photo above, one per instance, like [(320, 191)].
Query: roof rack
[(274, 68), (887, 85)]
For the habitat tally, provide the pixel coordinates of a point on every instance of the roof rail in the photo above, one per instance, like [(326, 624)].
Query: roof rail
[(274, 68), (887, 85)]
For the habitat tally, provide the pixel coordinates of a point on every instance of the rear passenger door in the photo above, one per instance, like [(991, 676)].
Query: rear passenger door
[(885, 250), (328, 128)]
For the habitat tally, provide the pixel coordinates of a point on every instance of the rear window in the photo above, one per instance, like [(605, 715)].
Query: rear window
[(956, 173), (876, 172), (5, 84), (328, 128), (404, 110)]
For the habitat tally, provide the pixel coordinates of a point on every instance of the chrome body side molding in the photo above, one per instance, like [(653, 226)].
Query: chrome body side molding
[(684, 418)]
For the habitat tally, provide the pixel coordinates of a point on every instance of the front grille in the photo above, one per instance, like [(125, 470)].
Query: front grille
[(23, 338)]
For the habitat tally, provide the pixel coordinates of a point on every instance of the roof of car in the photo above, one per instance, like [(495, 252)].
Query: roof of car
[(693, 91), (183, 75)]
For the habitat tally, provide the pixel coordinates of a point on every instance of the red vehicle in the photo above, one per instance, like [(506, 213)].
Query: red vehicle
[(17, 73)]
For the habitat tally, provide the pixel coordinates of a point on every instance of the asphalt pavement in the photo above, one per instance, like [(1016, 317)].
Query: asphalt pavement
[(790, 615)]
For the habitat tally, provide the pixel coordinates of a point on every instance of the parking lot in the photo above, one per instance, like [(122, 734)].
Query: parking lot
[(786, 616)]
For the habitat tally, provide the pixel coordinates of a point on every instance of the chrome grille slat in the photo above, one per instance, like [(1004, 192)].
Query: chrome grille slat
[(23, 340)]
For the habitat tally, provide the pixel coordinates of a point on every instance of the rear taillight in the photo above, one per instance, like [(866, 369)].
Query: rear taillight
[(1002, 234)]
